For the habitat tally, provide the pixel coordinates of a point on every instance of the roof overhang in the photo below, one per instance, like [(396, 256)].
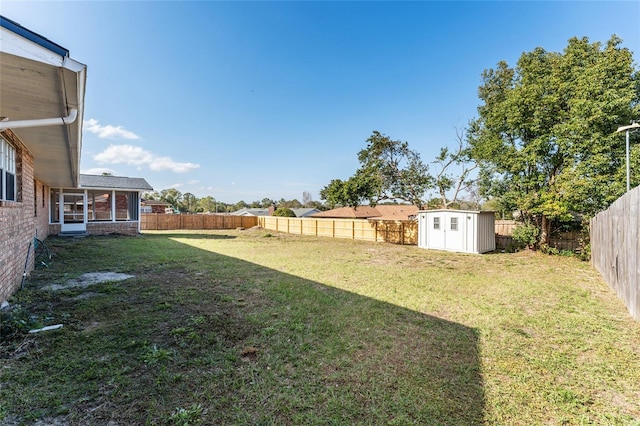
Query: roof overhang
[(40, 82)]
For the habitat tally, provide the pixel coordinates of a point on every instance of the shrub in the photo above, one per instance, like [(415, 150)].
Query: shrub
[(547, 249), (284, 212), (526, 234)]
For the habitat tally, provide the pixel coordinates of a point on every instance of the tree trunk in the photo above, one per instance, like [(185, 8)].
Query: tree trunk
[(545, 230)]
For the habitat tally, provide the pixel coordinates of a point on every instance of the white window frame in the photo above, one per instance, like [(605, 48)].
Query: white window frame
[(454, 224), (436, 222), (7, 168)]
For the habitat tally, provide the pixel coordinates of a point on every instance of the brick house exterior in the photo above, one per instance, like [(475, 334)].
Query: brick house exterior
[(21, 219), (41, 189)]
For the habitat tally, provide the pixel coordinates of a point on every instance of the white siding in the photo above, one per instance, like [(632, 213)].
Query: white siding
[(458, 230)]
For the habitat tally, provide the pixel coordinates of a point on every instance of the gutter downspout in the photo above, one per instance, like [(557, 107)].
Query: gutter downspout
[(58, 121)]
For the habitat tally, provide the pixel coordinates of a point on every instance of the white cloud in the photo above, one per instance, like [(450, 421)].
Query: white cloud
[(108, 131), (166, 163), (137, 156)]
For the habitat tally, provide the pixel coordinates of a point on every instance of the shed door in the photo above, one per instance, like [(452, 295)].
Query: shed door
[(436, 231), (455, 232)]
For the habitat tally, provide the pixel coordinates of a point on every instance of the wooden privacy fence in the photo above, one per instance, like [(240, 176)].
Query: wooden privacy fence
[(391, 231), (615, 247), (560, 240), (160, 221)]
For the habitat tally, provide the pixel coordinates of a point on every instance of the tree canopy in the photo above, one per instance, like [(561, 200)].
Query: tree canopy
[(284, 212), (389, 170), (545, 136)]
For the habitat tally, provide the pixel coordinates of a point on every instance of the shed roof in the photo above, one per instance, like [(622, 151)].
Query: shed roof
[(458, 211), (114, 182)]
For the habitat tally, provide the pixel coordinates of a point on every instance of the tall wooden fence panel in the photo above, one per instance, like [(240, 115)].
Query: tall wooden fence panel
[(615, 247), (560, 240), (392, 231), (160, 221)]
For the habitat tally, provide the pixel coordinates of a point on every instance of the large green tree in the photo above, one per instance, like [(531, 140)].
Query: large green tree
[(189, 203), (207, 204), (545, 136), (389, 170), (171, 196)]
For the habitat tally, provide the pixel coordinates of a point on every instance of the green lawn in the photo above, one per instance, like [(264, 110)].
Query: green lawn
[(251, 327)]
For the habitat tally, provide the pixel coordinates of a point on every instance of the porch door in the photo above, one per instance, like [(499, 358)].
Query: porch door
[(73, 216)]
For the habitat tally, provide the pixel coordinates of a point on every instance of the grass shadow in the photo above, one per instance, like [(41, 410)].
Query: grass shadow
[(201, 337)]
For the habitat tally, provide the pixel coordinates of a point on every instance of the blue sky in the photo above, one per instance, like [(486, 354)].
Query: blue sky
[(247, 100)]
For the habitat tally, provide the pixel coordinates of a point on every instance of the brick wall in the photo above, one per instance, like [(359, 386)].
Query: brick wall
[(18, 221), (103, 228), (42, 206), (106, 228)]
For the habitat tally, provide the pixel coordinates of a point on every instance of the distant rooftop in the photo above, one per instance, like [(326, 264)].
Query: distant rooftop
[(381, 211)]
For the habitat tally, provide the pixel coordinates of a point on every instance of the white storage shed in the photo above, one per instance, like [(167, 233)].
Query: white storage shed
[(457, 230)]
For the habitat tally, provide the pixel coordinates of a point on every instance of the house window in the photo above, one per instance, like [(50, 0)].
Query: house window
[(99, 206), (35, 198), (454, 223), (436, 223), (7, 171)]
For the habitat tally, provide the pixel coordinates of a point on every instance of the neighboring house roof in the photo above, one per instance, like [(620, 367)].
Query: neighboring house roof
[(304, 212), (251, 212), (154, 203), (114, 182), (42, 91), (386, 212), (362, 212), (397, 212)]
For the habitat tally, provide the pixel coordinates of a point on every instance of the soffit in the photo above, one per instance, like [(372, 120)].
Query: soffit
[(31, 90)]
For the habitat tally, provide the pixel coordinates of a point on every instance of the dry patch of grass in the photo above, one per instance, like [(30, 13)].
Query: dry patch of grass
[(248, 327)]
